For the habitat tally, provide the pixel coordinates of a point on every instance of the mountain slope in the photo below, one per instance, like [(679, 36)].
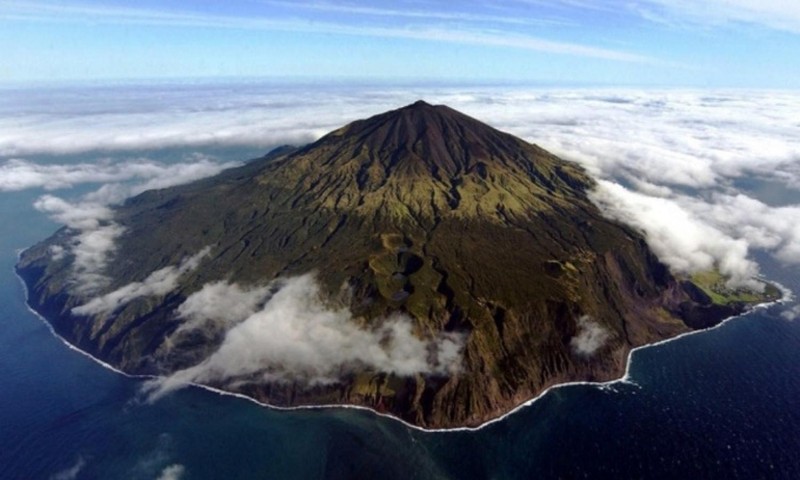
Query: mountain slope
[(466, 230)]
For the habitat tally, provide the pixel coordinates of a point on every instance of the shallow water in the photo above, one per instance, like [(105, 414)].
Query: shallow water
[(719, 404)]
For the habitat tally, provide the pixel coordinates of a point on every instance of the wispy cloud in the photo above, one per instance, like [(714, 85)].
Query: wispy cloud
[(295, 335), (452, 15), (72, 472), (774, 14), (93, 241), (158, 463), (792, 313), (172, 472), (92, 244), (525, 42), (158, 283), (451, 33), (590, 338)]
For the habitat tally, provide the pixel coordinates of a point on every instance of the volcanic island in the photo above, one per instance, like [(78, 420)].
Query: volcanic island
[(421, 230)]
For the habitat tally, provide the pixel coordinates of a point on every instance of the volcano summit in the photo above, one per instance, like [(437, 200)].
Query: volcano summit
[(418, 262)]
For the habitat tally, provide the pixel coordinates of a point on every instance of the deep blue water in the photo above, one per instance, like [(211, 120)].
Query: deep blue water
[(720, 404)]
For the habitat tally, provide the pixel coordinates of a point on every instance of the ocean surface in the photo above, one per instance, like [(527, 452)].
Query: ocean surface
[(724, 403)]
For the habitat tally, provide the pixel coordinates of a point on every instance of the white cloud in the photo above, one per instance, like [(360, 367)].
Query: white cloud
[(172, 472), (457, 31), (591, 336), (679, 153), (19, 174), (425, 14), (158, 461), (155, 116), (72, 472), (776, 14), (792, 313), (683, 138), (296, 337), (157, 283), (685, 242), (220, 305), (79, 216), (95, 232), (775, 229), (92, 244)]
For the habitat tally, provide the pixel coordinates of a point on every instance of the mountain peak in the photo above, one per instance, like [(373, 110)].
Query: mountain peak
[(426, 161), (418, 104), (436, 139)]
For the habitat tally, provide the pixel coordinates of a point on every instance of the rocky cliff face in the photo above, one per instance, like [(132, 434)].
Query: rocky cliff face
[(461, 228)]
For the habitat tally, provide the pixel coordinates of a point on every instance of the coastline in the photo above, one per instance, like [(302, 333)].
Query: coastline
[(787, 295)]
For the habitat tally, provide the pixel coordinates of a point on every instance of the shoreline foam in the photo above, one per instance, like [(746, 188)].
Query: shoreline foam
[(787, 296)]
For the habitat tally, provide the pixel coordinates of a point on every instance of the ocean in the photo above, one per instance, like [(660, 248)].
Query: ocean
[(717, 404)]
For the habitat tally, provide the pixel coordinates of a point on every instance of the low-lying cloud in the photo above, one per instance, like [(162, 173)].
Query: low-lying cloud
[(172, 472), (90, 218), (792, 313), (72, 472), (158, 283), (221, 305), (590, 338), (295, 336), (153, 116), (682, 240), (18, 174), (92, 244)]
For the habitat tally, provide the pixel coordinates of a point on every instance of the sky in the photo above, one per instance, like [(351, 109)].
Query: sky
[(703, 43)]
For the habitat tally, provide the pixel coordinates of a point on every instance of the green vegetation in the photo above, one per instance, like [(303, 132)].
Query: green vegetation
[(714, 284)]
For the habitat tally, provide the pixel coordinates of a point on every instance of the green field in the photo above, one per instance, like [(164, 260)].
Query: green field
[(714, 284)]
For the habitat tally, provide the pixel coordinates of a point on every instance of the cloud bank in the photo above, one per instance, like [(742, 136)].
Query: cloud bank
[(143, 117), (591, 337), (19, 174), (681, 239), (158, 283), (292, 335)]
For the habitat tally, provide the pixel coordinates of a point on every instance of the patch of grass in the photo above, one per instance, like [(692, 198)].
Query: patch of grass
[(714, 284)]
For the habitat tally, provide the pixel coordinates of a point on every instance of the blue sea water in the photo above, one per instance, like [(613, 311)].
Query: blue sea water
[(720, 404)]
